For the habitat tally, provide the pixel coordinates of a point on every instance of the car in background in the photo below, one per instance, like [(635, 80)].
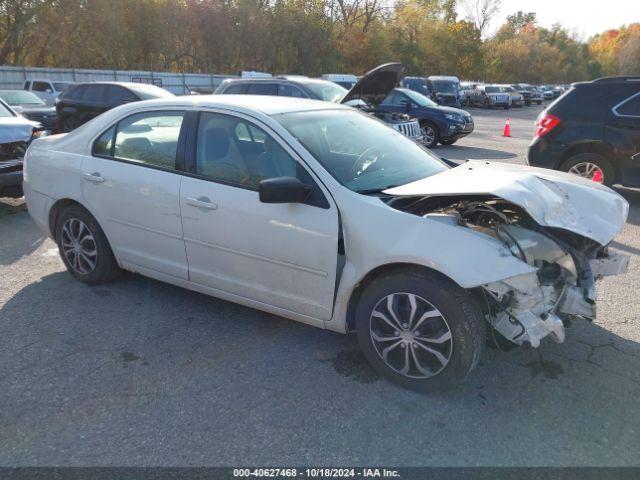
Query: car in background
[(372, 88), (31, 107), (47, 90), (322, 214), (530, 93), (84, 101), (489, 96), (466, 90), (592, 131), (548, 92), (345, 81), (444, 90), (16, 134), (417, 84), (439, 124), (515, 97)]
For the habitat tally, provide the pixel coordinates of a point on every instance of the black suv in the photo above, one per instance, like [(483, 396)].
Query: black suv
[(592, 130), (84, 101)]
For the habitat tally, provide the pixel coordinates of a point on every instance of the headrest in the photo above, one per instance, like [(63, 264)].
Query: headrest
[(216, 143)]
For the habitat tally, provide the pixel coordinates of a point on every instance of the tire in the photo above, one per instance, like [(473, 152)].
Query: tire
[(75, 223), (69, 124), (486, 103), (580, 162), (434, 137), (454, 314), (448, 142)]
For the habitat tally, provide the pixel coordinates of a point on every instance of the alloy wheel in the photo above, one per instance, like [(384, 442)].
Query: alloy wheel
[(429, 134), (588, 170), (79, 246), (411, 335)]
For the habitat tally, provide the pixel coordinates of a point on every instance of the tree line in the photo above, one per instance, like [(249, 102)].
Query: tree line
[(308, 37)]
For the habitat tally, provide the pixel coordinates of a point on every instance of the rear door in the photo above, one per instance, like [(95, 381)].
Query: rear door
[(282, 255), (623, 132), (131, 182)]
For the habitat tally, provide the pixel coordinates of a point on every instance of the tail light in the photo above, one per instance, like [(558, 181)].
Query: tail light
[(545, 123)]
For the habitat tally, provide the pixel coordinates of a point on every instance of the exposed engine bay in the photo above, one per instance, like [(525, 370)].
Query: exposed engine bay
[(527, 308)]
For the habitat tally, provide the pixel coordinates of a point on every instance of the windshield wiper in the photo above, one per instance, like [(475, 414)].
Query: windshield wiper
[(372, 191)]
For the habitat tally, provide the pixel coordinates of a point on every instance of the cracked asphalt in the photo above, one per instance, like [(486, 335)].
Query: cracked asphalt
[(139, 372)]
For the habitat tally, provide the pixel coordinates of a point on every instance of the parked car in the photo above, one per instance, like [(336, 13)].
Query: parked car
[(417, 84), (31, 106), (371, 89), (489, 96), (345, 81), (467, 89), (16, 133), (84, 101), (47, 90), (530, 93), (548, 92), (444, 90), (592, 131), (322, 214), (515, 98), (445, 125)]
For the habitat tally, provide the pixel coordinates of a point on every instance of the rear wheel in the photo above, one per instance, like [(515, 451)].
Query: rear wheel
[(430, 134), (591, 166), (84, 248), (420, 330), (69, 124)]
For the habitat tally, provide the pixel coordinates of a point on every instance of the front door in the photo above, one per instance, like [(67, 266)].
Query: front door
[(129, 183), (283, 255)]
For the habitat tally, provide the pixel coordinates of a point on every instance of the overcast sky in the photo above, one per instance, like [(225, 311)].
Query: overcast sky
[(586, 17)]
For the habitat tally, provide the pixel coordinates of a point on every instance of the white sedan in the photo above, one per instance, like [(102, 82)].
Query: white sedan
[(325, 215)]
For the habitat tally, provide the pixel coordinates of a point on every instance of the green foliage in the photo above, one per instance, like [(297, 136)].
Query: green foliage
[(307, 37)]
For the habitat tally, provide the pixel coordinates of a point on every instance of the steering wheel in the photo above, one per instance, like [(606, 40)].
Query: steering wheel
[(353, 171)]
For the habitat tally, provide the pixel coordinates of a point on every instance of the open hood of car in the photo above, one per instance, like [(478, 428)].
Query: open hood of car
[(553, 199), (375, 85)]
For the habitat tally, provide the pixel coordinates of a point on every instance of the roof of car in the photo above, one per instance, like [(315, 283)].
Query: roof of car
[(267, 104)]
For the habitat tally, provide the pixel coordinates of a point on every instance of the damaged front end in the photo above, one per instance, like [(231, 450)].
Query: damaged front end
[(524, 309)]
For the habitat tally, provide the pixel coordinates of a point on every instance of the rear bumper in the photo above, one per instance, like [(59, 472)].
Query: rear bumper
[(543, 154)]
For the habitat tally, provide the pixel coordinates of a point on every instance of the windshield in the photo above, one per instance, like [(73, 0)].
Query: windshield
[(359, 151), (446, 86), (327, 91), (20, 97), (420, 99)]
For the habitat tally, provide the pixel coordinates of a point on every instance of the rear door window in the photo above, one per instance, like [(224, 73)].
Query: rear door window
[(262, 89), (120, 95), (630, 107), (93, 94), (290, 91)]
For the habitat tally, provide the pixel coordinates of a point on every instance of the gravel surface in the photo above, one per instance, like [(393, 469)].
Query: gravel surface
[(139, 372)]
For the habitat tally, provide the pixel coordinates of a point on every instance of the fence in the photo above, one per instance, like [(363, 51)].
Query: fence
[(177, 83)]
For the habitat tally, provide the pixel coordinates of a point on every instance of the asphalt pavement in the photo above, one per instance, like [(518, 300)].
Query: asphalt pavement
[(139, 372)]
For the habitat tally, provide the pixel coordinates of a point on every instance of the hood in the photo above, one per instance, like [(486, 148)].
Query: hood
[(41, 109), (375, 85), (553, 199), (456, 111), (16, 129)]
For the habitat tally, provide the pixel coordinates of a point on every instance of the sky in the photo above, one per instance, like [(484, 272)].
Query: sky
[(586, 17)]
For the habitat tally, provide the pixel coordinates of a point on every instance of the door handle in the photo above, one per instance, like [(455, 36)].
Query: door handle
[(201, 202), (93, 177)]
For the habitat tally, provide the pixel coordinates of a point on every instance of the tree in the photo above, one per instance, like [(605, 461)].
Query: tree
[(481, 12)]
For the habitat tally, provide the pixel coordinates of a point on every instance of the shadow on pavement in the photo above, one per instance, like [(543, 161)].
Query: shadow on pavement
[(456, 152), (19, 236)]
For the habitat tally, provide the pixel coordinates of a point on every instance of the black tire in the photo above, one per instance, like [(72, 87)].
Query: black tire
[(448, 141), (486, 103), (460, 314), (608, 173), (424, 126), (105, 266), (69, 124)]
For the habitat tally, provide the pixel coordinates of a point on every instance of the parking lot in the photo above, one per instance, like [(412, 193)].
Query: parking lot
[(139, 372)]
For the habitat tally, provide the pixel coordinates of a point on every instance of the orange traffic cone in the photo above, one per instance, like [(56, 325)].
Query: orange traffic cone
[(507, 128)]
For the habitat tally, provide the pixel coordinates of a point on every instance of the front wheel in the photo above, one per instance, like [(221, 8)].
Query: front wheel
[(430, 135), (450, 141), (420, 330)]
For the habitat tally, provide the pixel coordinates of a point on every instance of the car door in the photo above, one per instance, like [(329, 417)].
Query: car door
[(623, 131), (282, 255), (131, 183)]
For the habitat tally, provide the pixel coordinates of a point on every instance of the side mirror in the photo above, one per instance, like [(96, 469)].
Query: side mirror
[(48, 90), (283, 190)]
